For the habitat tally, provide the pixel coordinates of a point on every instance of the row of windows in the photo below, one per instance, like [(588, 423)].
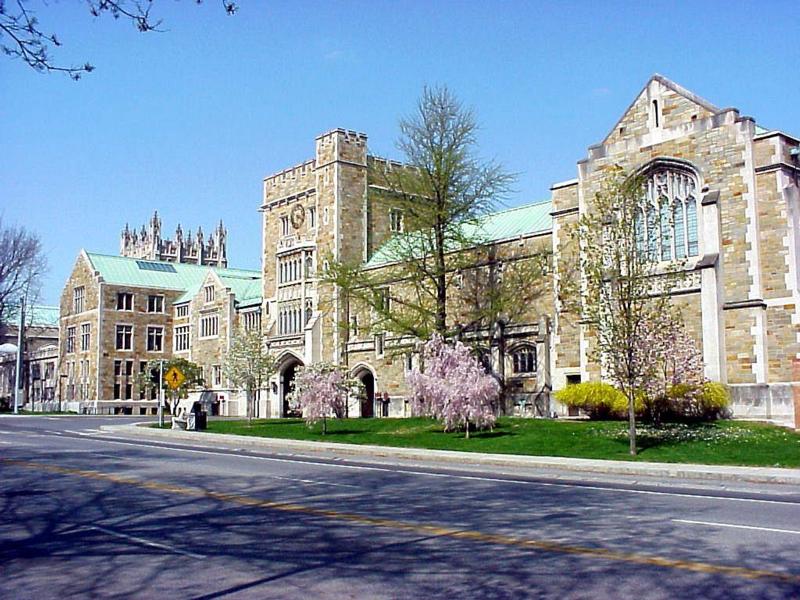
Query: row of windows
[(86, 335), (209, 326), (293, 268), (155, 302), (292, 319), (124, 338)]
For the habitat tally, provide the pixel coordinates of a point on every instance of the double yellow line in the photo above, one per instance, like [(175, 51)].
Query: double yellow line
[(478, 536)]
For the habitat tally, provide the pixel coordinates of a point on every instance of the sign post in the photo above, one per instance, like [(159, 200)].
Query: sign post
[(161, 393)]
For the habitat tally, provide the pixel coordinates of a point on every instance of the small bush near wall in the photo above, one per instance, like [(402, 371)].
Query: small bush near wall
[(599, 400), (708, 402)]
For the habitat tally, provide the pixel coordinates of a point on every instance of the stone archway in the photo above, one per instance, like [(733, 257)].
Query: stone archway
[(287, 372), (366, 377)]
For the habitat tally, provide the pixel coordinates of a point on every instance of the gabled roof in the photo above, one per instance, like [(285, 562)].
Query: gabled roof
[(520, 221), (120, 270), (668, 83)]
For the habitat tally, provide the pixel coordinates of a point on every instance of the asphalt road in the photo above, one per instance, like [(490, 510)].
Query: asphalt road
[(84, 514)]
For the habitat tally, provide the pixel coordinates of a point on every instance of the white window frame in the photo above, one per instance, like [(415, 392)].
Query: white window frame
[(79, 299), (181, 310), (182, 332), (154, 328), (155, 301), (396, 219), (210, 293), (204, 325), (129, 295), (86, 336), (71, 338), (132, 341)]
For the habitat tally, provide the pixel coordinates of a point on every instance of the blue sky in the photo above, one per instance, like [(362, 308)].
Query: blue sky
[(190, 121)]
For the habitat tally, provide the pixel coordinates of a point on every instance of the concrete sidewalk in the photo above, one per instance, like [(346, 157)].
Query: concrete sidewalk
[(580, 465)]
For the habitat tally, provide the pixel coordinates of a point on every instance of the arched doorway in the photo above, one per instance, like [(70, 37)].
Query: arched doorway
[(368, 397), (287, 373)]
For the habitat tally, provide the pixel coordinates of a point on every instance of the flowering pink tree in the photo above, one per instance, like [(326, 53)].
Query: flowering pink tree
[(669, 357), (321, 391), (453, 387)]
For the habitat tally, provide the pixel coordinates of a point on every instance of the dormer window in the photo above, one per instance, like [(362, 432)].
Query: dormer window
[(209, 292)]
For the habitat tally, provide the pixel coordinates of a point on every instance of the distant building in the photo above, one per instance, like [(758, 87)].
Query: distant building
[(149, 244), (40, 356), (117, 313)]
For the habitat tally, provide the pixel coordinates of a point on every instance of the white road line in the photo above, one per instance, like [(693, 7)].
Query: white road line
[(448, 475), (54, 432), (734, 526), (139, 540), (313, 482)]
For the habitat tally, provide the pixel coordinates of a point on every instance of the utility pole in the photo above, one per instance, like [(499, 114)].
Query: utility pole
[(161, 393), (18, 381)]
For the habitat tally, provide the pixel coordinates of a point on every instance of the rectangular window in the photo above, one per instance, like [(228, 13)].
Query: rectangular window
[(128, 368), (124, 337), (155, 338), (155, 304), (124, 301), (216, 370), (182, 338), (380, 344), (252, 320), (382, 300), (396, 220), (209, 326), (209, 291), (182, 310), (285, 225), (70, 340), (312, 217), (117, 368), (77, 299), (86, 329)]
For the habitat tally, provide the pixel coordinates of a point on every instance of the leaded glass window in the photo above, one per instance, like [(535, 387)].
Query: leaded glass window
[(667, 226)]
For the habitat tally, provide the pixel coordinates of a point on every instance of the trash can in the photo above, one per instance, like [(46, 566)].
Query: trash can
[(200, 420)]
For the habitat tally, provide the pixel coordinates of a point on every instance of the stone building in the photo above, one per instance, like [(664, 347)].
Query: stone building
[(149, 244), (728, 186), (117, 313), (40, 356)]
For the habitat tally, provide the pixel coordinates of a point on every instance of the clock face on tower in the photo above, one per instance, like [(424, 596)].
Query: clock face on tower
[(297, 216)]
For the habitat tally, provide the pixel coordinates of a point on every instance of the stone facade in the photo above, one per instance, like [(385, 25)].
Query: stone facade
[(737, 214), (118, 313)]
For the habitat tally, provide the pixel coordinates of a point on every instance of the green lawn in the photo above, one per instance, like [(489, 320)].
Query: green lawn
[(721, 443)]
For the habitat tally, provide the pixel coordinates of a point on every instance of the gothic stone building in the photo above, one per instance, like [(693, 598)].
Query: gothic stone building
[(150, 245), (117, 313), (728, 185)]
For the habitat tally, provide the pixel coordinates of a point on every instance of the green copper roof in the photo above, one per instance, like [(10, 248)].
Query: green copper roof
[(120, 270), (35, 316), (505, 224)]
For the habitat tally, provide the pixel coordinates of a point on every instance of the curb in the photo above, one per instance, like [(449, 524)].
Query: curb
[(580, 465)]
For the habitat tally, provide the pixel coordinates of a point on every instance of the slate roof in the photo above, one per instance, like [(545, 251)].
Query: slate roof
[(119, 270), (507, 224)]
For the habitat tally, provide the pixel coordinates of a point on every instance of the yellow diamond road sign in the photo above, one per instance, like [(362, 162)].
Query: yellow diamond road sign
[(174, 377)]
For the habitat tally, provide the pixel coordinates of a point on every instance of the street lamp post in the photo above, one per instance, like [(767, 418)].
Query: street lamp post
[(18, 369)]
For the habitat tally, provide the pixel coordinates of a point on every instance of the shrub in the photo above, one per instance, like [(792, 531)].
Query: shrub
[(599, 400), (706, 402)]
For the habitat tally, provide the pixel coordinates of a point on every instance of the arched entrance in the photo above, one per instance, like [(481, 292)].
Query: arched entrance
[(287, 373), (368, 397)]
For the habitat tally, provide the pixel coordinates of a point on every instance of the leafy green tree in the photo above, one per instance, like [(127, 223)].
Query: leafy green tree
[(444, 190), (148, 379), (248, 365)]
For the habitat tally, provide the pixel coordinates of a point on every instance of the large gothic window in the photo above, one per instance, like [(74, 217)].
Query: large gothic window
[(667, 224)]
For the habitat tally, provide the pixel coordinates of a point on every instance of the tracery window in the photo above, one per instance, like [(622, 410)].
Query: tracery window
[(666, 227), (524, 359)]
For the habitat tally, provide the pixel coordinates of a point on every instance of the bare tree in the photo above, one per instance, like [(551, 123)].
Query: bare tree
[(22, 265), (444, 189), (22, 36)]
